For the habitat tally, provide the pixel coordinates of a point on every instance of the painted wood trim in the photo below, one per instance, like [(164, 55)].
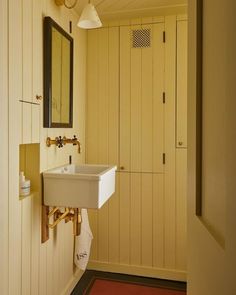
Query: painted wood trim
[(72, 283), (160, 273), (181, 17), (199, 61)]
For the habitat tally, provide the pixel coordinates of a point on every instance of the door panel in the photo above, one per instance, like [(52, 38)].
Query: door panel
[(136, 231), (141, 102), (181, 95), (207, 253)]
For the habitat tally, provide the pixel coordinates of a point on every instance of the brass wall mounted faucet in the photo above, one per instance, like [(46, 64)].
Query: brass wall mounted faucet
[(60, 142)]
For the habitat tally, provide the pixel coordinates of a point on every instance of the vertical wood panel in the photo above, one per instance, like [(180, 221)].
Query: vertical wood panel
[(37, 67), (135, 219), (42, 286), (158, 220), (27, 42), (35, 243), (181, 208), (147, 107), (56, 259), (49, 264), (37, 43), (103, 232), (27, 67), (181, 141), (125, 89), (35, 126), (158, 88), (68, 254), (103, 130), (15, 92), (136, 106), (103, 106), (124, 218), (113, 82), (93, 221), (4, 246), (181, 95), (92, 123), (92, 103), (26, 246), (170, 202), (147, 219), (27, 119), (61, 251), (114, 226), (42, 269)]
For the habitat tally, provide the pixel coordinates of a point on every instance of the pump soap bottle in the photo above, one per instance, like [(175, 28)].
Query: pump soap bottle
[(24, 185)]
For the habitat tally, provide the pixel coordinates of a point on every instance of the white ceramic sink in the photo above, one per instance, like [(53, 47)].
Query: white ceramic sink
[(79, 186)]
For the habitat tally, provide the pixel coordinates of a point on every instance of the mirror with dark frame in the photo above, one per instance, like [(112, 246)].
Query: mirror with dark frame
[(58, 76)]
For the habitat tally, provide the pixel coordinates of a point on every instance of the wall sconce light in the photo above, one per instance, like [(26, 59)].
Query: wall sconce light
[(89, 18)]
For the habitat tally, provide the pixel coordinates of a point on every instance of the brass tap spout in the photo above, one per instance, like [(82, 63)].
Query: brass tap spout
[(74, 141)]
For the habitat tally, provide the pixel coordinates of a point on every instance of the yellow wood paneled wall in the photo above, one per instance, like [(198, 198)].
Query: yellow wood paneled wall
[(142, 229), (27, 266)]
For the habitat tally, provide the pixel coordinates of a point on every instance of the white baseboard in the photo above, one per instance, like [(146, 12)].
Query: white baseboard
[(168, 274), (72, 283)]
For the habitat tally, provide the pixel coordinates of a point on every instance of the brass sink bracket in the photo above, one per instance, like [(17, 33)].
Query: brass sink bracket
[(61, 141), (69, 214)]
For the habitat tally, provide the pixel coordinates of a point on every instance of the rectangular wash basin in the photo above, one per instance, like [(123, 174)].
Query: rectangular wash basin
[(79, 186)]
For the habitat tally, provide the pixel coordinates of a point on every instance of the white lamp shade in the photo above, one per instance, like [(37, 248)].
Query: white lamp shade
[(89, 18)]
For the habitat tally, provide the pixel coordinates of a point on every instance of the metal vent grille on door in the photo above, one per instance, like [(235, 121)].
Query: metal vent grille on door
[(141, 38)]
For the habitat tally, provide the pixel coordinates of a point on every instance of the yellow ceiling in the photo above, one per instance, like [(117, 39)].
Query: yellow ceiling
[(111, 9)]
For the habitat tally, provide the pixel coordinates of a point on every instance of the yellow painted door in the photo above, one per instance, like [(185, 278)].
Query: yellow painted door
[(141, 98), (136, 231)]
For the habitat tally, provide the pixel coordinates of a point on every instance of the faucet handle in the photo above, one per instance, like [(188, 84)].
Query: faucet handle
[(59, 142), (74, 140)]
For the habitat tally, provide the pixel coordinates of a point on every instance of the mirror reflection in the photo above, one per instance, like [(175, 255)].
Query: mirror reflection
[(58, 75)]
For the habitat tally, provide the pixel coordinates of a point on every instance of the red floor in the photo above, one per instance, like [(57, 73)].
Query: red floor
[(109, 287)]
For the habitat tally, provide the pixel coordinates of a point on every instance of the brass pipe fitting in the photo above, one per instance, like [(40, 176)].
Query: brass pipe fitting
[(69, 214), (63, 215)]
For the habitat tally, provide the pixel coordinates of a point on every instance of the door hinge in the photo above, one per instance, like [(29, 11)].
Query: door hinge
[(164, 158), (70, 27), (164, 97), (164, 37)]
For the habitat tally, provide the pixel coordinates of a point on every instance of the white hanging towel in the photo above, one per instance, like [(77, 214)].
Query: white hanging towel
[(83, 242)]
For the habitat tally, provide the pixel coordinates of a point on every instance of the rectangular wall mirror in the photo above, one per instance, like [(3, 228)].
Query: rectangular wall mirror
[(58, 76)]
